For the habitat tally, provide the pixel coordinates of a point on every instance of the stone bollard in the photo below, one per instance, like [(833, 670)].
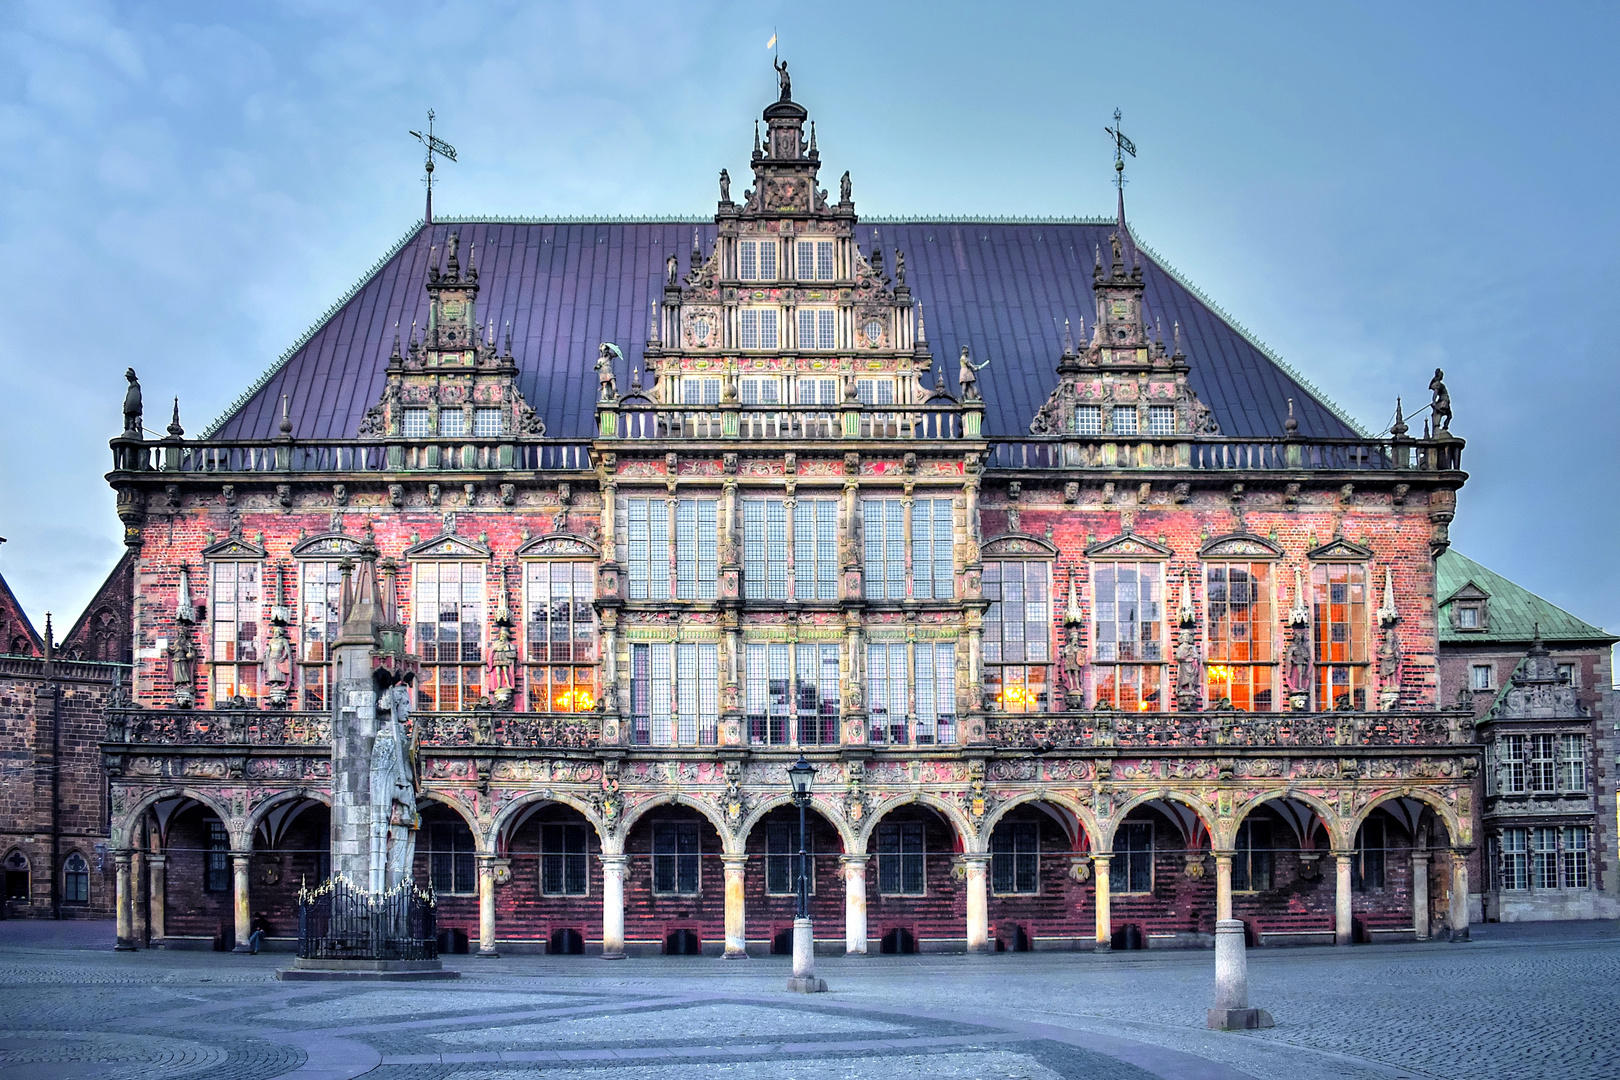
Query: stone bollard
[(1231, 1011), (804, 979)]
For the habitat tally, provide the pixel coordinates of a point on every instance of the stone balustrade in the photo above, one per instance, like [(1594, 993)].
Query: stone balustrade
[(1135, 730), (1218, 453)]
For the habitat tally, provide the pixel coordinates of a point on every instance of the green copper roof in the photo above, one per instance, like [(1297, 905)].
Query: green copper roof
[(1514, 611)]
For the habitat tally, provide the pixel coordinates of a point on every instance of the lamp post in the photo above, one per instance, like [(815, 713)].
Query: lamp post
[(804, 980)]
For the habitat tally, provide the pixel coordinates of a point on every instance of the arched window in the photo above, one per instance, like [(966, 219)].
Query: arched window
[(16, 876), (75, 880)]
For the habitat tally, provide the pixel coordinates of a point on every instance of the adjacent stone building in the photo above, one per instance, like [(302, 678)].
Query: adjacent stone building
[(1101, 627)]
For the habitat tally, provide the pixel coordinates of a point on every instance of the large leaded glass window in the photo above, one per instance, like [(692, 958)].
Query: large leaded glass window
[(759, 327), (448, 615), (932, 567), (646, 535), (560, 635), (1131, 870), (1242, 653), (886, 684), (883, 526), (236, 633), (1017, 635), (816, 692), (815, 260), (769, 698), (674, 693), (756, 260), (815, 549), (320, 596), (1339, 602), (1128, 635), (765, 549)]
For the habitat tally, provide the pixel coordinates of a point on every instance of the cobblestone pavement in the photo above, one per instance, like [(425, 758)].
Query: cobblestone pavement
[(1519, 1002)]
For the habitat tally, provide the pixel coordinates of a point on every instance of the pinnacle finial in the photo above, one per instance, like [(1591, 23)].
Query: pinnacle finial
[(174, 424), (812, 138), (286, 416), (922, 331), (1398, 428), (1176, 327), (509, 337), (1291, 425), (1068, 339)]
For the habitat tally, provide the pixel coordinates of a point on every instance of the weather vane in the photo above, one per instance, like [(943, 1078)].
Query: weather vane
[(1122, 146), (434, 145)]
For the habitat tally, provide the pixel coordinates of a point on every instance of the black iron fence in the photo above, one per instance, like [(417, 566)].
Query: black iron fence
[(339, 921)]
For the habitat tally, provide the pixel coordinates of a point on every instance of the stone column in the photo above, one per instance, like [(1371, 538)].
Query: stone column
[(1459, 895), (1223, 885), (1105, 926), (486, 907), (612, 906), (1232, 1011), (1343, 929), (1420, 893), (138, 886), (978, 903), (854, 904), (158, 876), (736, 915), (126, 904), (241, 861)]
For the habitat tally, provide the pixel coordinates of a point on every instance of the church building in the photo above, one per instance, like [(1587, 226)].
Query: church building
[(1095, 620)]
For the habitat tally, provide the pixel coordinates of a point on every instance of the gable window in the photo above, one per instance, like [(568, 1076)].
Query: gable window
[(1251, 857), (759, 326), (756, 390), (1017, 635), (1124, 419), (817, 328), (560, 636), (1161, 419), (452, 865), (1088, 420), (756, 260), (674, 693), (901, 859), (782, 858), (217, 858), (487, 423), (413, 423), (1468, 617), (646, 536), (1367, 864), (815, 260), (933, 569), (1131, 870), (452, 422), (675, 858), (699, 391), (765, 549), (234, 613), (321, 588), (1242, 653), (815, 549), (875, 391), (1015, 857), (1479, 677), (817, 391), (1128, 636), (75, 880), (883, 526), (1572, 763), (449, 618), (1339, 601), (564, 859)]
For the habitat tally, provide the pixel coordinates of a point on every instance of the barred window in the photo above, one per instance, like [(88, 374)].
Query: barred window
[(932, 567), (1017, 635), (217, 858), (321, 588), (75, 880), (675, 858), (768, 693), (452, 422), (452, 862), (756, 260), (1544, 857), (815, 260), (1015, 857), (901, 859), (1161, 419), (1511, 774), (1576, 872), (1513, 869), (234, 613), (883, 525), (765, 554), (413, 423), (886, 684), (1131, 869), (1543, 767), (1242, 655), (564, 859), (759, 327), (936, 693), (697, 565), (1339, 596), (1367, 865), (815, 549), (782, 858), (449, 618), (1088, 419), (645, 532), (560, 636), (1128, 636), (817, 328), (1124, 419), (1251, 857), (487, 423), (697, 701), (1572, 763)]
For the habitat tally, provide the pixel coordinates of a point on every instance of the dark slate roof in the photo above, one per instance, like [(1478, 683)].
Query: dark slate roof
[(1516, 613), (1001, 288)]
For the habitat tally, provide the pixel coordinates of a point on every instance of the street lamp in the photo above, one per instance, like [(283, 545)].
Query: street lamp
[(804, 980)]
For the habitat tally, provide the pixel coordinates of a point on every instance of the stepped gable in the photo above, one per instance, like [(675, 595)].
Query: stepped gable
[(103, 630)]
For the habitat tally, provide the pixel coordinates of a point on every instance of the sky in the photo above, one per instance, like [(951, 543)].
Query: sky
[(1374, 190)]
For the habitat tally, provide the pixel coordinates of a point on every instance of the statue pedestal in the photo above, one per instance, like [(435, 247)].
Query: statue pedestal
[(373, 970)]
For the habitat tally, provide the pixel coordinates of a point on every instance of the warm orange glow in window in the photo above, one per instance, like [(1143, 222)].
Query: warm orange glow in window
[(579, 700), (1016, 695), (1220, 672), (1143, 706)]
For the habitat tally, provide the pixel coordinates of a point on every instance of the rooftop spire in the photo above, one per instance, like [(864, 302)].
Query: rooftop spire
[(433, 146)]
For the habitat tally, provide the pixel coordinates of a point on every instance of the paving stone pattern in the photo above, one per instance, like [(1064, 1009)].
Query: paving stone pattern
[(1520, 1002)]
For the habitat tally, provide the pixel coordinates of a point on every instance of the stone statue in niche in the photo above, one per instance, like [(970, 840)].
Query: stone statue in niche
[(725, 186), (394, 820), (1441, 405), (1071, 676), (132, 404), (277, 660), (1389, 669), (502, 663), (183, 650), (1298, 668)]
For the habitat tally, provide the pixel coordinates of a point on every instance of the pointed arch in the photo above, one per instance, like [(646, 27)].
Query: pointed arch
[(1106, 830), (826, 809), (123, 830), (1431, 799), (965, 833), (513, 814), (1323, 810), (1085, 820), (710, 812)]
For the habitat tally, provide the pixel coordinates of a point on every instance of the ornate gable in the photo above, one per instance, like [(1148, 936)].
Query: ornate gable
[(1018, 544), (1240, 546), (558, 545), (1339, 550), (447, 546), (234, 547), (1128, 546), (332, 545)]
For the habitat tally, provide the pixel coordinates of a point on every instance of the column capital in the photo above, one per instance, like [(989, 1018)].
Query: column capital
[(122, 856), (734, 862), (854, 860), (615, 862), (156, 859), (975, 858), (1222, 855), (486, 860), (241, 856), (1101, 856)]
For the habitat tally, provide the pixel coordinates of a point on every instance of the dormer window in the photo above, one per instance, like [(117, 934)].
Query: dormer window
[(413, 423), (1088, 420), (756, 261), (1468, 617), (699, 391), (1161, 419)]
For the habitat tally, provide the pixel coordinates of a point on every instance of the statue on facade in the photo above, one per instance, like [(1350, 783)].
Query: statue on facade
[(277, 660), (1298, 666), (1441, 405), (725, 186), (899, 267), (1189, 668), (183, 649), (1389, 668), (394, 820), (132, 406), (605, 354), (967, 375), (783, 80), (1071, 676), (502, 662), (843, 188)]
